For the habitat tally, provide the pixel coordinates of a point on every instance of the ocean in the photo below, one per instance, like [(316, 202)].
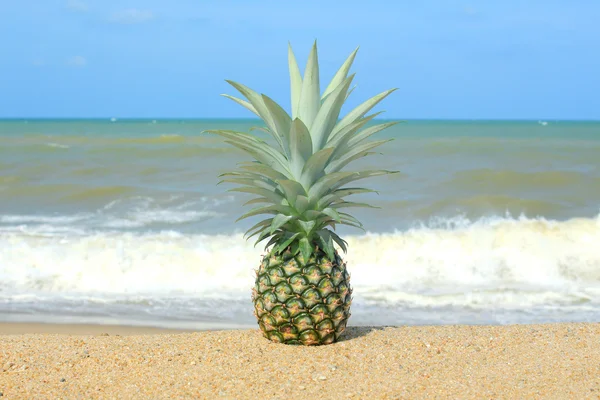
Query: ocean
[(122, 222)]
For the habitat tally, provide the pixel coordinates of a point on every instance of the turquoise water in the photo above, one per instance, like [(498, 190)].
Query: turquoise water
[(487, 222), (474, 169)]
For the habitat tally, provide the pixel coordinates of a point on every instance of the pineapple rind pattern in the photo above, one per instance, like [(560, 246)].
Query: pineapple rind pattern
[(309, 305)]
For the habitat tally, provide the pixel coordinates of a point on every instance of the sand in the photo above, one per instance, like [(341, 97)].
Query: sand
[(16, 328), (560, 361)]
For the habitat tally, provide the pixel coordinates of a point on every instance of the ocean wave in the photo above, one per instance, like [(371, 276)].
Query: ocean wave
[(123, 213), (507, 262), (140, 219), (44, 219)]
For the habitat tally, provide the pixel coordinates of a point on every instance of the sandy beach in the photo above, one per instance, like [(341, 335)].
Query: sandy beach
[(520, 361)]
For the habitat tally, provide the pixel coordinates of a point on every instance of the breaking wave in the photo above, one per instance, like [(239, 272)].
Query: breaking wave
[(488, 263)]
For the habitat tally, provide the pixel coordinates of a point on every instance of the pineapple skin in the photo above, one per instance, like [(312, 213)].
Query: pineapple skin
[(302, 304)]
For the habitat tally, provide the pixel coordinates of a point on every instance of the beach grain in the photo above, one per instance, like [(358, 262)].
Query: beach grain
[(557, 361)]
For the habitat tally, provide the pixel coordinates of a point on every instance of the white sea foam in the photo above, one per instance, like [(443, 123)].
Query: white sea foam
[(486, 255), (145, 218), (498, 270), (133, 212), (487, 252), (44, 219), (144, 211)]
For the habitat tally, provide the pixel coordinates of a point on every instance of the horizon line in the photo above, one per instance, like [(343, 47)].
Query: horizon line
[(116, 119)]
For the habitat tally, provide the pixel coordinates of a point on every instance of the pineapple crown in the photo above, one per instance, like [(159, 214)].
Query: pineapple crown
[(300, 180)]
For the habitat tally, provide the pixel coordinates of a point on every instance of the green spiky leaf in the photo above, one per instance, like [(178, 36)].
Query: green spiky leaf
[(264, 235), (339, 194), (272, 241), (305, 248), (360, 175), (350, 191), (258, 183), (292, 190), (340, 242), (243, 103), (281, 122), (295, 81), (331, 212), (348, 219), (341, 74), (307, 226), (328, 115), (344, 158), (300, 146), (347, 204), (295, 247), (366, 133), (273, 209), (259, 228), (324, 185), (341, 139), (301, 204), (265, 170), (269, 194), (326, 242), (315, 167), (361, 110), (284, 244), (279, 221), (310, 96), (258, 200)]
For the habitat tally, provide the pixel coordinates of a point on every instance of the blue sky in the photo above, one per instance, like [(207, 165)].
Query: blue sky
[(511, 59)]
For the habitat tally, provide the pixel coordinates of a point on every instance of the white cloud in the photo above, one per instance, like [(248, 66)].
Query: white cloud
[(77, 61), (132, 16), (77, 5)]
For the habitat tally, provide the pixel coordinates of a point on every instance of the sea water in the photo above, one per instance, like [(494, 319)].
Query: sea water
[(110, 221)]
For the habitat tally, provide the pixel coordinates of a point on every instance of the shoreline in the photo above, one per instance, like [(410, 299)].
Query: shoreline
[(559, 360)]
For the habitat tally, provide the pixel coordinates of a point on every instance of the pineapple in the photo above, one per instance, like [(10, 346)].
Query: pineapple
[(302, 292)]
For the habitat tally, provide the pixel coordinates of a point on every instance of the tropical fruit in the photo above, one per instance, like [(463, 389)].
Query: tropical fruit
[(302, 292)]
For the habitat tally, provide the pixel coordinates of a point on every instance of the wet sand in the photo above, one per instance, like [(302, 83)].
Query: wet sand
[(474, 362)]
